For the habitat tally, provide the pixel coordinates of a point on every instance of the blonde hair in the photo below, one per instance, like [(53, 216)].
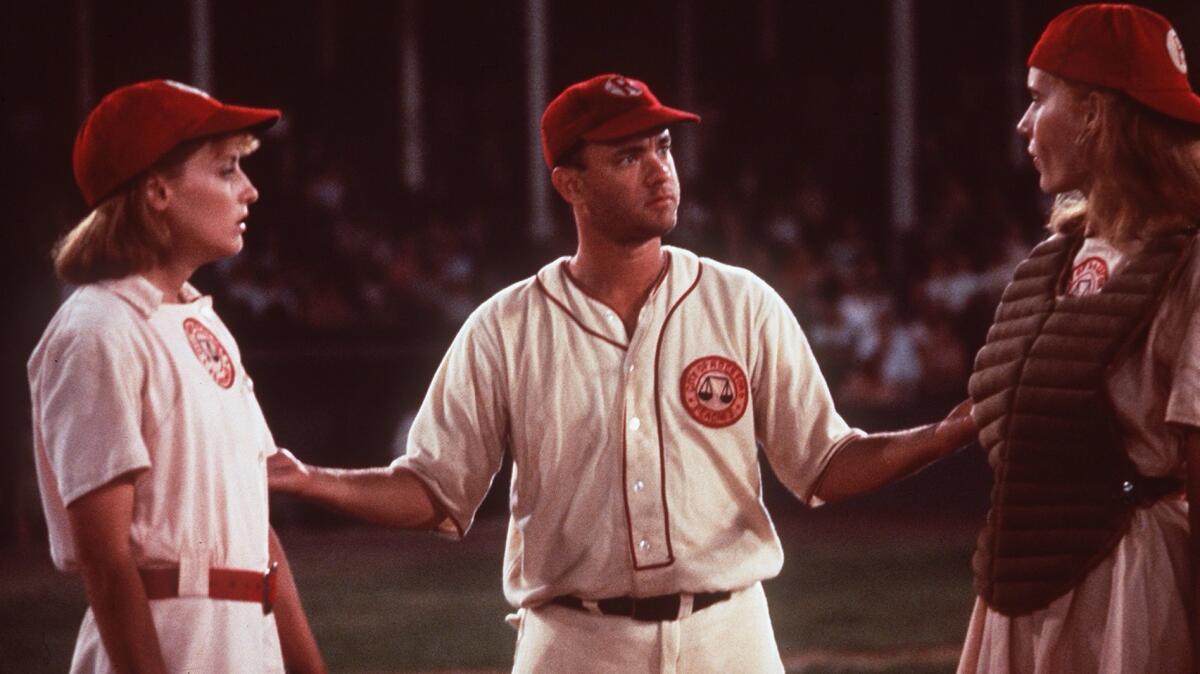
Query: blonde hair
[(1145, 173), (121, 236)]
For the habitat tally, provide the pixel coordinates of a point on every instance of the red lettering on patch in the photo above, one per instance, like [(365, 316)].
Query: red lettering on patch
[(1088, 277), (210, 351)]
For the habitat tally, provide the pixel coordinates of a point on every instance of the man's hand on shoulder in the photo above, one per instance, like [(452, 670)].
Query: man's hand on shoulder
[(286, 473)]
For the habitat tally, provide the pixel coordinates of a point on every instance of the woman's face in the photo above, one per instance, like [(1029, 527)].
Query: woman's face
[(209, 199), (1053, 124)]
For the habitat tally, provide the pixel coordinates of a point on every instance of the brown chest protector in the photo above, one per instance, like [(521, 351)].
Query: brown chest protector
[(1064, 488)]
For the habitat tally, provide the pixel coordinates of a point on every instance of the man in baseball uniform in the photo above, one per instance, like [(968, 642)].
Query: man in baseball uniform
[(632, 384)]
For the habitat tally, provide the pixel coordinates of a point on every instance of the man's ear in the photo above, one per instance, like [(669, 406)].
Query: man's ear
[(567, 182), (157, 192)]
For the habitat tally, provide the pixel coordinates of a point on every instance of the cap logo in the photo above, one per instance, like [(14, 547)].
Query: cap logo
[(1175, 49), (183, 87), (619, 86)]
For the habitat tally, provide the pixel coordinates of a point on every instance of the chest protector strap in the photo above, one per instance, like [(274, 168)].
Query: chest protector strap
[(1062, 479)]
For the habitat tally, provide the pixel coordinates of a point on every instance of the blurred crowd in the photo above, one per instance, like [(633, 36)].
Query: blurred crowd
[(353, 279), (892, 316)]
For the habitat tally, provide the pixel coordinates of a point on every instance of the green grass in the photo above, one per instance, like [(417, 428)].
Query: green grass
[(382, 601)]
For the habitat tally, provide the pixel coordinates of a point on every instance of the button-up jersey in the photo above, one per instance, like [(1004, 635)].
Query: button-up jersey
[(635, 459)]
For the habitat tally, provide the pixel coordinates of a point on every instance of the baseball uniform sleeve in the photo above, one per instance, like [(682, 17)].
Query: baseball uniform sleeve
[(794, 415), (91, 409), (457, 440)]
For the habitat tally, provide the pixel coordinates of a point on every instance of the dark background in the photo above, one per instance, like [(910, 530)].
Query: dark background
[(351, 285)]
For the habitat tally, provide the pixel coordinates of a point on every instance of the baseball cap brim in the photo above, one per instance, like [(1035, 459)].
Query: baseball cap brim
[(636, 121), (1183, 105), (231, 118)]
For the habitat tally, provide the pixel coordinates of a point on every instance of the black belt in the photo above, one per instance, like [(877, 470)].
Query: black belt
[(1144, 491), (651, 609)]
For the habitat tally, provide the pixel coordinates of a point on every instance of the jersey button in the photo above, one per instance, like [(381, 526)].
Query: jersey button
[(639, 485), (635, 423), (644, 545)]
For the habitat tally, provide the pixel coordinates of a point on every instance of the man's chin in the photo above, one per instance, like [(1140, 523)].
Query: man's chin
[(650, 232)]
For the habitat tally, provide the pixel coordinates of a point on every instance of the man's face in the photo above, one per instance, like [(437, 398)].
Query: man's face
[(629, 187)]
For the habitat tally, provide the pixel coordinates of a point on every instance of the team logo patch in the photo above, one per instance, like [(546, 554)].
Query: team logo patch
[(1175, 49), (714, 391), (619, 86), (210, 351), (1088, 277)]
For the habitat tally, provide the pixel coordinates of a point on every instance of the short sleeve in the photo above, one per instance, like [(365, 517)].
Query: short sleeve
[(457, 440), (88, 393), (794, 416)]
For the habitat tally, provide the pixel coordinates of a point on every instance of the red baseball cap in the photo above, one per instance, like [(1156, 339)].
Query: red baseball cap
[(1123, 47), (606, 107), (135, 125)]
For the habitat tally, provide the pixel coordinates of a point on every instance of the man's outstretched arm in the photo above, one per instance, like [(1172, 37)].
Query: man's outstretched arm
[(388, 496), (874, 460)]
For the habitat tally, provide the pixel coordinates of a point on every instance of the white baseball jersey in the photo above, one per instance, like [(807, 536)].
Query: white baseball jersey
[(121, 382), (635, 459)]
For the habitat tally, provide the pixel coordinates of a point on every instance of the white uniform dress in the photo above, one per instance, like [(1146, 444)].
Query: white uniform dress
[(1130, 614), (123, 382), (636, 465)]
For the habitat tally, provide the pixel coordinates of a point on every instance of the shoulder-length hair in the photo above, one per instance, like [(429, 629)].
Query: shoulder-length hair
[(121, 236), (1145, 173)]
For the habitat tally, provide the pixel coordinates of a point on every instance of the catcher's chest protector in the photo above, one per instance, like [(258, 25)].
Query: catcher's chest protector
[(1047, 424)]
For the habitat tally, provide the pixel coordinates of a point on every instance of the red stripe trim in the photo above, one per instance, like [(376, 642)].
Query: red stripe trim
[(625, 489), (566, 269), (662, 275), (662, 450), (575, 318), (442, 512)]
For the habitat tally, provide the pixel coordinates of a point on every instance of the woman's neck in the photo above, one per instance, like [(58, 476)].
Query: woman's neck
[(169, 279)]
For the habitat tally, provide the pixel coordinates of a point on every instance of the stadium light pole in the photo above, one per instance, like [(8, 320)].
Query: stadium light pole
[(86, 93), (200, 22), (1015, 81), (410, 133), (903, 169), (541, 226), (689, 152)]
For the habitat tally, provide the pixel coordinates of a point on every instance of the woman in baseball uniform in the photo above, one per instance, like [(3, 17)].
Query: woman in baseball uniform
[(1087, 392), (149, 443)]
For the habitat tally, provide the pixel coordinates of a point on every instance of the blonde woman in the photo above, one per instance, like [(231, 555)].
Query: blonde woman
[(1087, 393), (150, 445)]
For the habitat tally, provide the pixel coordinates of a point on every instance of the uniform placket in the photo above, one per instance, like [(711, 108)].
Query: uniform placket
[(645, 497)]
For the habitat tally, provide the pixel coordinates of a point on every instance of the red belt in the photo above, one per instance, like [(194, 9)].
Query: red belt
[(259, 587)]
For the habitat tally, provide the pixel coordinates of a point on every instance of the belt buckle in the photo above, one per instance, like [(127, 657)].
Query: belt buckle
[(268, 584)]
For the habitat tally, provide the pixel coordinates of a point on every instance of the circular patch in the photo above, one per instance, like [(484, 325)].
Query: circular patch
[(619, 86), (714, 391), (1175, 49), (210, 351), (1088, 277)]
